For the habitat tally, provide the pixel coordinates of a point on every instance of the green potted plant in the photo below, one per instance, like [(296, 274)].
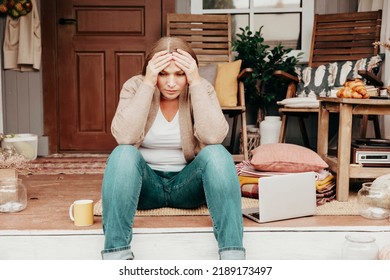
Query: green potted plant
[(262, 87)]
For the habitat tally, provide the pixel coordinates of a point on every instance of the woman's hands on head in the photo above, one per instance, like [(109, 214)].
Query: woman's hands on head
[(187, 63), (162, 59), (159, 62)]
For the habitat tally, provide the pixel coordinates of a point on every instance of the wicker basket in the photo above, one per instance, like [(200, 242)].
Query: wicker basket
[(253, 142)]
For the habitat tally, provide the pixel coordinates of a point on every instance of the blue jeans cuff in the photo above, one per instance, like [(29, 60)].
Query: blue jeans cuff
[(232, 253), (122, 253)]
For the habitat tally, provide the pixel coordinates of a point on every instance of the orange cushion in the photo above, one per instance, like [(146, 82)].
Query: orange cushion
[(226, 84)]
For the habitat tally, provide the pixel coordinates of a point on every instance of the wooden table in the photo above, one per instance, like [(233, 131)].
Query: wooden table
[(346, 108)]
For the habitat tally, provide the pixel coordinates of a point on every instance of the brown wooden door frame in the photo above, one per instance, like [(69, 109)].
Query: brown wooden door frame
[(50, 69)]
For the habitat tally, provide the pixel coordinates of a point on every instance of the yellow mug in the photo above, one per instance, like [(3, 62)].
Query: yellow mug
[(81, 212)]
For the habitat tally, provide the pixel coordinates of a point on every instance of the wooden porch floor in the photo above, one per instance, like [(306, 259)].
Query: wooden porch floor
[(44, 231), (49, 197)]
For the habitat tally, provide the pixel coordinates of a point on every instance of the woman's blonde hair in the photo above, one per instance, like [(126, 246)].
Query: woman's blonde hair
[(170, 44)]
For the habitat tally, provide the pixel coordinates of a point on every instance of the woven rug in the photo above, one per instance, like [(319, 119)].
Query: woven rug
[(333, 208), (65, 164)]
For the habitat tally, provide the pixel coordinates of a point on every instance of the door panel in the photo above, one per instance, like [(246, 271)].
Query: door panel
[(94, 20), (102, 45), (90, 92)]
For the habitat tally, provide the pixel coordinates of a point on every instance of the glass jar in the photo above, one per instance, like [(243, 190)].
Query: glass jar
[(373, 201), (13, 195), (359, 247)]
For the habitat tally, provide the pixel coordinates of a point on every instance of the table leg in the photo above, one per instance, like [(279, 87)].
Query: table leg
[(323, 130), (344, 152)]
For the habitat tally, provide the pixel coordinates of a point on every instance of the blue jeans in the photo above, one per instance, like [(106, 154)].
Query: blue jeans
[(130, 184)]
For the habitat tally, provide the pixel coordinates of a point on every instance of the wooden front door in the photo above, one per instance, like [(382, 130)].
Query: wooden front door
[(100, 44)]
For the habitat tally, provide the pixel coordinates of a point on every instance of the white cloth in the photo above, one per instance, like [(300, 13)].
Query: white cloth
[(370, 5), (300, 102), (161, 147), (22, 41)]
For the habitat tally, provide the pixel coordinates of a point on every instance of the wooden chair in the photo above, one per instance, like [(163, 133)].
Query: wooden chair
[(336, 37), (210, 37)]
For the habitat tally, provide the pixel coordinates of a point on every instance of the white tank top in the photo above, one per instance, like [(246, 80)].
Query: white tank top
[(161, 147)]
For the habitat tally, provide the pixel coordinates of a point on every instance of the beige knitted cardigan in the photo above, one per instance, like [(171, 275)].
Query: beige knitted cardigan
[(201, 119)]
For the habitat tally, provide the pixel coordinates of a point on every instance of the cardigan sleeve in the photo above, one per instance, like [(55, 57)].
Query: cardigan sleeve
[(210, 125), (128, 124)]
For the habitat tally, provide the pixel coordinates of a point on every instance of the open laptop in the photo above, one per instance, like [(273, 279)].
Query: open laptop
[(284, 197)]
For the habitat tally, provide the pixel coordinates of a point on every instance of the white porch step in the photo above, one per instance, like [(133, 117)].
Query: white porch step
[(185, 243)]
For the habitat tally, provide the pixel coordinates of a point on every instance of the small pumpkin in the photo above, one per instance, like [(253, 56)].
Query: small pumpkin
[(384, 253)]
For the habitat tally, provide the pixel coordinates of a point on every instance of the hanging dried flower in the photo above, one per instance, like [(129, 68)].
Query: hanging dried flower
[(377, 44), (15, 8)]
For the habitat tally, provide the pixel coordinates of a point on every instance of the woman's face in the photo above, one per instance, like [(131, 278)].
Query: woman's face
[(171, 81)]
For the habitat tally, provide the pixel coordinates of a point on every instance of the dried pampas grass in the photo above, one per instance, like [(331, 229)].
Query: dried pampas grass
[(383, 44), (12, 161)]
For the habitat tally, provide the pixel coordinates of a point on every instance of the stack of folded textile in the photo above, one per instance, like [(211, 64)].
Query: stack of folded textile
[(248, 177), (325, 187), (249, 187)]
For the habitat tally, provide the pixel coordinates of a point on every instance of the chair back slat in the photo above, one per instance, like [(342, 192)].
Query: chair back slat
[(208, 35), (344, 36)]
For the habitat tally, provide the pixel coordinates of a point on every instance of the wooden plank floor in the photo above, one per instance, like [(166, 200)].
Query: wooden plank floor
[(43, 231), (49, 198)]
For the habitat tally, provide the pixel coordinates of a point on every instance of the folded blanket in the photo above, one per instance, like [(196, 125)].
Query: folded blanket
[(327, 188), (250, 190), (324, 200), (328, 193), (323, 183), (322, 174), (247, 180)]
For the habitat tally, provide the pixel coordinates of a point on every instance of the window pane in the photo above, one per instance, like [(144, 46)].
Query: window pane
[(276, 3), (283, 28), (225, 4), (238, 21)]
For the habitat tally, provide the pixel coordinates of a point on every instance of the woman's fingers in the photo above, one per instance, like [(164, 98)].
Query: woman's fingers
[(160, 60), (184, 59), (158, 63), (187, 63)]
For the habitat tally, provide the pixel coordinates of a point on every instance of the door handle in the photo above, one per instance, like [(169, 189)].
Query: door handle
[(64, 21)]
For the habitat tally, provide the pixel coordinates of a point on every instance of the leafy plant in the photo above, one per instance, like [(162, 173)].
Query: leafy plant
[(262, 86)]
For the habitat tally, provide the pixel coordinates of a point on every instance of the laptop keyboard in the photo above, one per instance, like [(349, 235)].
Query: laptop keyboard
[(255, 214)]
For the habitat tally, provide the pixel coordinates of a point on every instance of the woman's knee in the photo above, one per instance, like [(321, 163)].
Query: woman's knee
[(124, 153), (124, 159), (123, 165), (215, 152), (217, 164)]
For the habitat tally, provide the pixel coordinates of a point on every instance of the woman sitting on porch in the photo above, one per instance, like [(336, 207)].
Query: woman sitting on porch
[(169, 127)]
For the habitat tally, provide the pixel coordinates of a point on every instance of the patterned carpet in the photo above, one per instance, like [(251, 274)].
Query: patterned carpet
[(66, 164)]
